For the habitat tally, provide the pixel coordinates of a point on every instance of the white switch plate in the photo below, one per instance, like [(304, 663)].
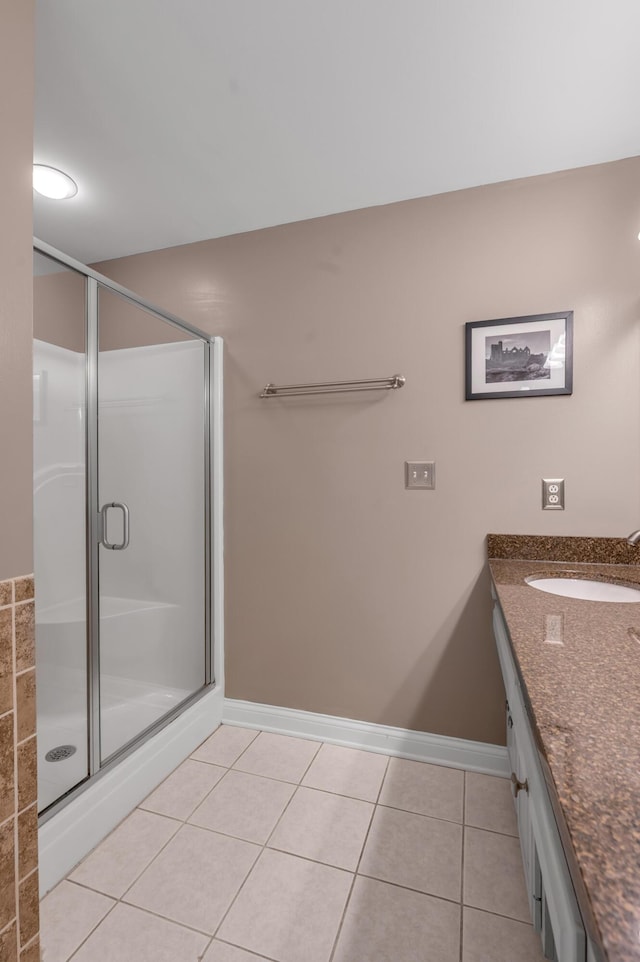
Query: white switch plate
[(420, 474)]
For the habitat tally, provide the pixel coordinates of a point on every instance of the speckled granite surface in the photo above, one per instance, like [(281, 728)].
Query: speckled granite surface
[(584, 702), (536, 547)]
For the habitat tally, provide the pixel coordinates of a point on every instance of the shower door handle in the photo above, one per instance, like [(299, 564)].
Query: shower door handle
[(104, 541)]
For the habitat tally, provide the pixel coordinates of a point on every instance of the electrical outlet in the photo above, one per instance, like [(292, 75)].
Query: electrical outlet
[(553, 494), (420, 474)]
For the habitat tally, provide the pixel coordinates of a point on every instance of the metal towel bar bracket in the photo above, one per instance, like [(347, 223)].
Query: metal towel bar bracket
[(334, 387)]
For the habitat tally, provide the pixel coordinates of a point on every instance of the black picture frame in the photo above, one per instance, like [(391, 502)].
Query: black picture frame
[(510, 357)]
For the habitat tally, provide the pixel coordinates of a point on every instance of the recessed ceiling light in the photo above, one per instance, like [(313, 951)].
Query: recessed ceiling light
[(53, 183)]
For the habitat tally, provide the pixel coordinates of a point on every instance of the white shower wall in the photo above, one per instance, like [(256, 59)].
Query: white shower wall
[(151, 431), (59, 474)]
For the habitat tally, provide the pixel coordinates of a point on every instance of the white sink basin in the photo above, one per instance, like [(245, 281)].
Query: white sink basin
[(585, 589)]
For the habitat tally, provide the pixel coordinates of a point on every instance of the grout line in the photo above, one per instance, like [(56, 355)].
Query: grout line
[(274, 778), (264, 846), (281, 816), (498, 915), (237, 758), (166, 918), (119, 898), (235, 897), (81, 885), (464, 815), (2, 825), (491, 831), (14, 695), (311, 761), (170, 839), (24, 671), (6, 928), (510, 918), (206, 949), (147, 811), (254, 955), (32, 941), (410, 811), (88, 936), (185, 820), (307, 858), (357, 868), (408, 888)]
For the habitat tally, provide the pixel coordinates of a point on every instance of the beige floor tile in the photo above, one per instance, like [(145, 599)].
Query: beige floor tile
[(493, 874), (324, 827), (489, 803), (486, 936), (384, 923), (225, 746), (278, 756), (117, 861), (183, 790), (129, 935), (289, 909), (67, 915), (222, 952), (247, 806), (414, 850), (195, 878), (425, 789), (347, 771)]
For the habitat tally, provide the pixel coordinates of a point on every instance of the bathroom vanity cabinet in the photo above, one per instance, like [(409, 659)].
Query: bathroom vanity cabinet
[(552, 902)]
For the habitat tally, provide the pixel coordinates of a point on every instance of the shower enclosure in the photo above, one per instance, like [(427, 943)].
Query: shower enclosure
[(127, 500)]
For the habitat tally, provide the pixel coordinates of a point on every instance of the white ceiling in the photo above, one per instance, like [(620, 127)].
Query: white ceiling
[(182, 120)]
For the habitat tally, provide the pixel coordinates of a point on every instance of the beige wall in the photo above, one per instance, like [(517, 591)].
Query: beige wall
[(16, 117), (347, 594), (59, 309), (18, 815)]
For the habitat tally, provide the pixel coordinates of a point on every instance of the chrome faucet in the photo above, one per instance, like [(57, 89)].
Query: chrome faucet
[(634, 537)]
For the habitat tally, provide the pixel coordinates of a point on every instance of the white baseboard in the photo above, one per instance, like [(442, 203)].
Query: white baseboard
[(78, 827), (400, 742)]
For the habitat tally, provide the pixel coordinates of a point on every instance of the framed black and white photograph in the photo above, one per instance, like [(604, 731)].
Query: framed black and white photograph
[(519, 356)]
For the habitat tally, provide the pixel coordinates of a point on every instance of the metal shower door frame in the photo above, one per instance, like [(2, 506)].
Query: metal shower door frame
[(212, 447)]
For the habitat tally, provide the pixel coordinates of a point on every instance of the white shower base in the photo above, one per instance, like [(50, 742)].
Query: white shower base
[(146, 670), (127, 707)]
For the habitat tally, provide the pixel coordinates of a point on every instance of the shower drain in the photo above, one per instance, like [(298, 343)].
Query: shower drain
[(60, 753)]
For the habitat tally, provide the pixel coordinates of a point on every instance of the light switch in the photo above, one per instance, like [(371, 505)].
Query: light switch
[(420, 474)]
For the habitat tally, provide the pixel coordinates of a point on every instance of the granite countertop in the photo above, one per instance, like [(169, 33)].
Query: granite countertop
[(581, 674)]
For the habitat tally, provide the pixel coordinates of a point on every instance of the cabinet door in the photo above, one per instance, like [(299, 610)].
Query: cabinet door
[(520, 794), (563, 915)]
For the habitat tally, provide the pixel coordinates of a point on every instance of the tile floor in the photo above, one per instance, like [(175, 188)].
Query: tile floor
[(267, 847)]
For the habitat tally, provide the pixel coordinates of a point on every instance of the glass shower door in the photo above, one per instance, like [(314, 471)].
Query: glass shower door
[(152, 517)]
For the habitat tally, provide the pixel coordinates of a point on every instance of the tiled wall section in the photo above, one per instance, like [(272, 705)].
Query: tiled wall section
[(19, 922)]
